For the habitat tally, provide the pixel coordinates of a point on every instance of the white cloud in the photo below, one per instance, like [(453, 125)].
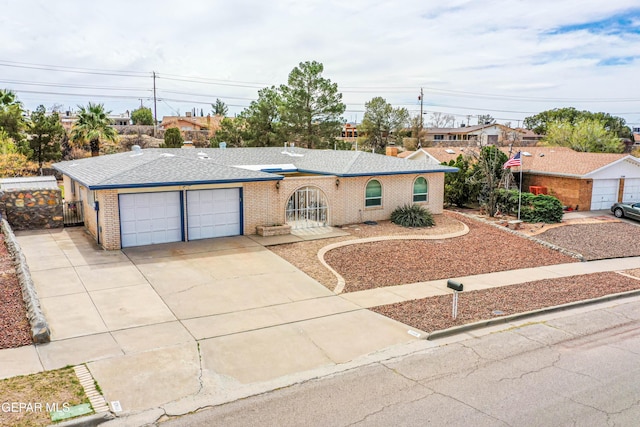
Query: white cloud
[(506, 48)]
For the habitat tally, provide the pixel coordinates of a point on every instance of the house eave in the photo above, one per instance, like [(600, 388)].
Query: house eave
[(448, 169)]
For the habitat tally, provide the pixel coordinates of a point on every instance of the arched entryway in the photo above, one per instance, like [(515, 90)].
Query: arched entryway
[(307, 208)]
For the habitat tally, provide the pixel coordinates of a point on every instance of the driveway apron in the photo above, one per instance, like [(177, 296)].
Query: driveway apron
[(161, 323)]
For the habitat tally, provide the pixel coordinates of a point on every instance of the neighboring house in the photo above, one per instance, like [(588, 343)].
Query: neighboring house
[(69, 118), (349, 132), (582, 181), (192, 123), (153, 196), (480, 135)]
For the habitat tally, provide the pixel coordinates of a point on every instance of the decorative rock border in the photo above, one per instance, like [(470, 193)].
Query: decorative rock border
[(340, 285), (39, 326), (519, 234)]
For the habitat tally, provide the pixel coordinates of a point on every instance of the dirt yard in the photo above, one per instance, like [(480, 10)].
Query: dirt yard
[(433, 314), (484, 249), (15, 330)]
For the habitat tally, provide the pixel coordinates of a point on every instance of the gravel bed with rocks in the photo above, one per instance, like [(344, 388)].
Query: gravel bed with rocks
[(304, 255), (15, 330), (596, 241), (434, 313), (485, 249)]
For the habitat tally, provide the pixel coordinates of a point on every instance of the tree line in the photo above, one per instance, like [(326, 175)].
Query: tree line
[(307, 111)]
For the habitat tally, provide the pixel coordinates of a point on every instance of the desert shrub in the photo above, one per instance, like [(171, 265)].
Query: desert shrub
[(540, 208), (543, 208), (412, 216), (172, 138)]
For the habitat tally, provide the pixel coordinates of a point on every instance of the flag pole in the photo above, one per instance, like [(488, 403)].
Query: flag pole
[(520, 193)]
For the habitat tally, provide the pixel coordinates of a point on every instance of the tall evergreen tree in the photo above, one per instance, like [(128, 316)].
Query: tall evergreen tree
[(46, 134), (312, 106)]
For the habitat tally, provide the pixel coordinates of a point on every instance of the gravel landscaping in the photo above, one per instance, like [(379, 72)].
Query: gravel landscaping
[(433, 314), (304, 255), (485, 249), (596, 241), (15, 330)]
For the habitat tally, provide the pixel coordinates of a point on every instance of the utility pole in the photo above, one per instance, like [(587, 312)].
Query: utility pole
[(155, 107), (421, 98)]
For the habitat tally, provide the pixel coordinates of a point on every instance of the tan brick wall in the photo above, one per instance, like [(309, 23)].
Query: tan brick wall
[(264, 204), (109, 218), (570, 191), (90, 220)]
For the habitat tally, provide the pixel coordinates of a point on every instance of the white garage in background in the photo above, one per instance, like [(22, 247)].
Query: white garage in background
[(607, 183), (150, 218), (604, 193), (631, 190), (213, 213)]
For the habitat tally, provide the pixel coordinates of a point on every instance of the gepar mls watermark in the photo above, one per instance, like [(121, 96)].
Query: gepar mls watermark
[(24, 407)]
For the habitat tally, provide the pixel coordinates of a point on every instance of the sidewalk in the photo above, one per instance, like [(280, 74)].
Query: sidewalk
[(394, 294), (220, 342)]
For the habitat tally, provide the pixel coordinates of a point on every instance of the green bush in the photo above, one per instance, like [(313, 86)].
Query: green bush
[(540, 208), (544, 208), (412, 216), (172, 138)]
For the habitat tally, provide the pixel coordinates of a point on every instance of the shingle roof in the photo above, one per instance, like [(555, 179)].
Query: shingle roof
[(156, 167), (40, 182), (543, 160)]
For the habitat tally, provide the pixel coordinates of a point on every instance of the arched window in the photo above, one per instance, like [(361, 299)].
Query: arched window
[(420, 190), (373, 194)]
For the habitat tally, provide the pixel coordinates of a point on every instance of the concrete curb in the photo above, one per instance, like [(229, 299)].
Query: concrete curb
[(340, 285), (88, 421), (506, 319), (532, 238), (39, 326)]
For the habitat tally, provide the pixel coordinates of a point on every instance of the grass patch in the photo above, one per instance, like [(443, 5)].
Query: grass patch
[(26, 400)]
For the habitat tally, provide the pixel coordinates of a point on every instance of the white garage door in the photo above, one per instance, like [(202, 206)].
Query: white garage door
[(213, 213), (631, 190), (150, 218), (604, 193)]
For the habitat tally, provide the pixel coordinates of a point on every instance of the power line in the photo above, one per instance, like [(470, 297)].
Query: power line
[(18, 82), (70, 69)]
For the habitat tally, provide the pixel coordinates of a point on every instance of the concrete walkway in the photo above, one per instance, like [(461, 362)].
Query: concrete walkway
[(169, 328), (394, 294), (161, 323)]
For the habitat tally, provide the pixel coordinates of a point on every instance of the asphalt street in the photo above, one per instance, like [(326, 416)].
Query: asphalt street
[(580, 367)]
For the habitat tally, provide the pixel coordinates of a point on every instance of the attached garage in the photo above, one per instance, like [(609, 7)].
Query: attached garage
[(631, 192), (213, 213), (604, 193), (150, 218)]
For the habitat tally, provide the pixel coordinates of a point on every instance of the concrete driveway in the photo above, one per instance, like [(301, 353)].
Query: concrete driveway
[(167, 322)]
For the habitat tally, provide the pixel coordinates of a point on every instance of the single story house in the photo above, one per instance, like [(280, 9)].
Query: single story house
[(154, 196), (581, 181), (492, 133)]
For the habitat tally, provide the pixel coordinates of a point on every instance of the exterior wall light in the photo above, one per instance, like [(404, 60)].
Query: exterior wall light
[(337, 182)]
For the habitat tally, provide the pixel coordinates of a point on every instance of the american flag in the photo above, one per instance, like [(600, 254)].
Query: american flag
[(514, 161)]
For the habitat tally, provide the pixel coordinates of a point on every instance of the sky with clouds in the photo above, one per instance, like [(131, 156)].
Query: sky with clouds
[(507, 58)]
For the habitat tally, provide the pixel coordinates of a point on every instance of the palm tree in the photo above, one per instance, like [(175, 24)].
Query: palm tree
[(7, 97), (92, 126)]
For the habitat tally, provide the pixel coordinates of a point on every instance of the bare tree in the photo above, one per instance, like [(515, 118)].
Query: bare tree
[(440, 120)]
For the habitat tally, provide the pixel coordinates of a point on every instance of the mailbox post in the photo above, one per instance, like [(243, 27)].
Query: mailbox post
[(457, 287)]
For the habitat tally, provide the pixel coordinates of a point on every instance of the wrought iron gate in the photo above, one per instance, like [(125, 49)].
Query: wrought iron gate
[(73, 213), (307, 208)]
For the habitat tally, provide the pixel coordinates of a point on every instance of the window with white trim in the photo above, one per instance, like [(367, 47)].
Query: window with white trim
[(420, 189), (373, 194)]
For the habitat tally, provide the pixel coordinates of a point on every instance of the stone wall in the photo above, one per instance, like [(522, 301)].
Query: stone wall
[(31, 209), (39, 326)]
